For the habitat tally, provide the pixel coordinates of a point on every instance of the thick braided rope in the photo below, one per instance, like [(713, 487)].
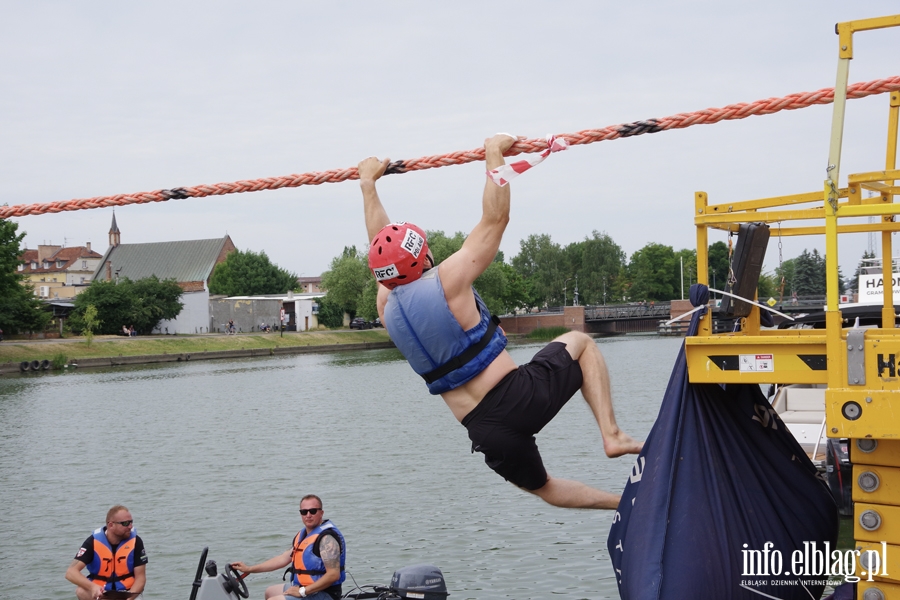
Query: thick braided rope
[(588, 136)]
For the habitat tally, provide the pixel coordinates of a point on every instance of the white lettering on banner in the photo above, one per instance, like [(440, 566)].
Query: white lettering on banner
[(637, 471), (765, 415), (388, 272), (413, 242)]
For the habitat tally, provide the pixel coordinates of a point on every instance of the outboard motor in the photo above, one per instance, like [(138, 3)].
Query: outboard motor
[(226, 585), (419, 582)]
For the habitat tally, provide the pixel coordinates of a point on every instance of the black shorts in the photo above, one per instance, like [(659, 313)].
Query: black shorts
[(503, 424)]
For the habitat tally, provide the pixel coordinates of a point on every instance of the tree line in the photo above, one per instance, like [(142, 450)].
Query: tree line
[(542, 274), (545, 273)]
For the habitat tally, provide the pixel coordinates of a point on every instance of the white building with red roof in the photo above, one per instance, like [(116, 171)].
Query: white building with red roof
[(58, 271)]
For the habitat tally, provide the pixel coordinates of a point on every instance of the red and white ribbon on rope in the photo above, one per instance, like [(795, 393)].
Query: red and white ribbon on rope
[(505, 173)]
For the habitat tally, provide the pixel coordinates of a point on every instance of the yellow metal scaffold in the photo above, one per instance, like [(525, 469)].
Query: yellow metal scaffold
[(861, 366)]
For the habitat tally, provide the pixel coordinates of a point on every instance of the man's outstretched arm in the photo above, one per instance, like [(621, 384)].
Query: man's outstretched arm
[(480, 248), (376, 217)]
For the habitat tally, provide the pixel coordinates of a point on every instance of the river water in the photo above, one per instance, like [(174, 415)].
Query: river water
[(218, 454)]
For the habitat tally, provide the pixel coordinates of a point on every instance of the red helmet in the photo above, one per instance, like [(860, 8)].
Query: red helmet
[(397, 254)]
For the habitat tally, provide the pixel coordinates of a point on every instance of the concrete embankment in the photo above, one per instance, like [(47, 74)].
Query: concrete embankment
[(113, 361)]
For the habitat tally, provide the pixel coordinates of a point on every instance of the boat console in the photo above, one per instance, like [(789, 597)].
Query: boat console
[(226, 585)]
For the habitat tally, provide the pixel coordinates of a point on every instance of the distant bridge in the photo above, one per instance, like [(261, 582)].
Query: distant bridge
[(626, 318), (646, 317), (601, 320)]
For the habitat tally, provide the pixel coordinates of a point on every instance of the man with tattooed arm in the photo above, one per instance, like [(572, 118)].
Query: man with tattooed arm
[(315, 559)]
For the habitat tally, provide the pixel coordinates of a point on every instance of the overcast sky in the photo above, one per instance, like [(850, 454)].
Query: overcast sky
[(108, 97)]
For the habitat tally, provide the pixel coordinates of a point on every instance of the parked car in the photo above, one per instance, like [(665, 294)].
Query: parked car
[(377, 322), (360, 323)]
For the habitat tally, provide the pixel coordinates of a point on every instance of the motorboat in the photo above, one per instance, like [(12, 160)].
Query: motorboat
[(416, 582)]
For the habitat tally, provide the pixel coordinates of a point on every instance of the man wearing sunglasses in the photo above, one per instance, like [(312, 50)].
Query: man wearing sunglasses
[(316, 558), (114, 556), (444, 329)]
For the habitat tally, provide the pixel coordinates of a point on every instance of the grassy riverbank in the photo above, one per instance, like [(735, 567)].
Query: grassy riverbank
[(15, 351)]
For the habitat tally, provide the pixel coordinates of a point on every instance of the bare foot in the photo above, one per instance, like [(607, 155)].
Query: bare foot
[(621, 443)]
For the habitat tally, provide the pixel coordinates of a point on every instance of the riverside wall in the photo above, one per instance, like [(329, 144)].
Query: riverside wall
[(572, 318), (146, 359)]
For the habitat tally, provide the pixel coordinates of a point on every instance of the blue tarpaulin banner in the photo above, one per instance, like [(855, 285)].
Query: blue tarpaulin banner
[(719, 499)]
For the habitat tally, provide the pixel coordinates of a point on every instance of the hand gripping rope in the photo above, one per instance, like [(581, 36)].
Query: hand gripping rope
[(506, 173), (528, 146)]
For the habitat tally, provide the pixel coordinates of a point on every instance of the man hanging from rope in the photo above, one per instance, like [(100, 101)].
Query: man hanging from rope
[(442, 327)]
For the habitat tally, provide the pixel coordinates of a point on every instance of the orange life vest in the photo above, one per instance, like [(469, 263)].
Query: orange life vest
[(115, 571), (307, 564)]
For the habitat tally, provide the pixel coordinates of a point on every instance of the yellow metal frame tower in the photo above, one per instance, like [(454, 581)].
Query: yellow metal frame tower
[(861, 367)]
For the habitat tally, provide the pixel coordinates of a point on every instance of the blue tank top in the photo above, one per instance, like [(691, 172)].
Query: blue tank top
[(422, 326)]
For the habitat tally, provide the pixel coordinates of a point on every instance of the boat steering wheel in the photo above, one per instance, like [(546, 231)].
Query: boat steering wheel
[(234, 582)]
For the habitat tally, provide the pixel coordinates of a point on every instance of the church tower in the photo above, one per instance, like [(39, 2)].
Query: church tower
[(114, 236)]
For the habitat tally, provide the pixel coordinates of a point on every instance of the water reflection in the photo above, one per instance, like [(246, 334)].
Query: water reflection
[(218, 453), (369, 357)]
